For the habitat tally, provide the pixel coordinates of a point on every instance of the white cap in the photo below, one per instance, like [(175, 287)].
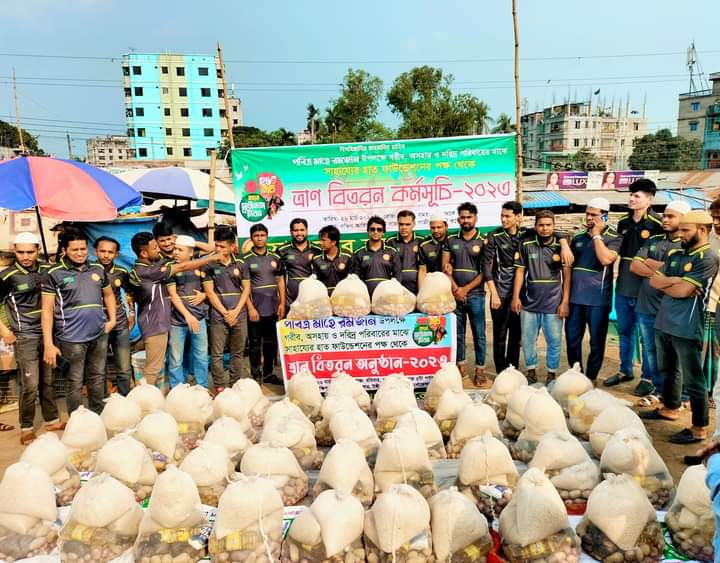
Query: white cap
[(679, 205), (26, 238), (438, 217), (184, 240), (600, 203)]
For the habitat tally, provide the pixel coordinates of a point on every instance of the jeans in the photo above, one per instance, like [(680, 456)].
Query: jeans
[(220, 334), (627, 323), (506, 335), (596, 319), (474, 309), (650, 363), (87, 365), (551, 326), (198, 354), (34, 377), (680, 362), (263, 341), (119, 341)]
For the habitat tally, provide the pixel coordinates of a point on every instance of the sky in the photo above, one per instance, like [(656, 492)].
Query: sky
[(283, 55)]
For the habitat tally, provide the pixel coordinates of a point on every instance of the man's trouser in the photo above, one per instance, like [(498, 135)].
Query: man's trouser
[(263, 343), (220, 335), (87, 366), (596, 319), (34, 377)]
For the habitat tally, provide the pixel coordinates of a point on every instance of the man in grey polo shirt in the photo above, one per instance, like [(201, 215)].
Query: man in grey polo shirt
[(407, 245), (73, 295)]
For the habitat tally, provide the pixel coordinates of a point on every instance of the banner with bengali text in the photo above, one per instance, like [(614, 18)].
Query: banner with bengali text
[(345, 184), (368, 348)]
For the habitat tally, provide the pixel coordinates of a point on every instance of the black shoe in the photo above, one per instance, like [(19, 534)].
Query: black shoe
[(685, 437), (644, 388), (617, 379), (272, 379), (693, 459)]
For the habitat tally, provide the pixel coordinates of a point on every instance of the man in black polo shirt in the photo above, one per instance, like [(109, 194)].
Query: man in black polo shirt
[(595, 250), (541, 294), (430, 249), (685, 281), (20, 286), (407, 245), (165, 238), (106, 251), (463, 254), (635, 228), (332, 264), (376, 261), (297, 258), (262, 275), (148, 280), (73, 294), (649, 259), (228, 314)]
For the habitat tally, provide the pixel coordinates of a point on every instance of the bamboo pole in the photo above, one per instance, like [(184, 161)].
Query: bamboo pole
[(228, 116), (17, 115), (211, 198), (518, 128)]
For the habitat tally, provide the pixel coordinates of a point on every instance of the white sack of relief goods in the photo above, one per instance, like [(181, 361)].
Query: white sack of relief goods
[(48, 453), (355, 425), (542, 414), (346, 385), (27, 497), (345, 469), (84, 434), (120, 414), (486, 460), (571, 383), (474, 420), (284, 408), (421, 421), (312, 301), (403, 458), (297, 434), (435, 297), (232, 403), (190, 404), (447, 377), (515, 414), (255, 403), (504, 385), (351, 298), (392, 299), (229, 433), (304, 391), (159, 432), (129, 461), (582, 410), (457, 525), (332, 405), (449, 406), (208, 464), (609, 421), (278, 464), (148, 397), (394, 398)]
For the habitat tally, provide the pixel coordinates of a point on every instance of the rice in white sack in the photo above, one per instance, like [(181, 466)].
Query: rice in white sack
[(473, 421), (403, 458), (297, 434), (449, 406), (304, 391), (192, 407), (84, 435), (48, 453), (421, 421), (120, 414), (148, 397), (459, 531), (160, 434), (542, 415), (129, 461), (392, 299), (514, 420), (229, 433), (504, 385), (210, 467), (312, 301), (583, 410), (435, 297), (278, 464), (345, 469), (350, 298), (234, 404), (570, 383), (447, 377), (394, 398), (609, 421)]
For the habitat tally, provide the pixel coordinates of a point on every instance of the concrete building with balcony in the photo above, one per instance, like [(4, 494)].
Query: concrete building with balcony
[(711, 137), (175, 106), (552, 136), (693, 108), (104, 152)]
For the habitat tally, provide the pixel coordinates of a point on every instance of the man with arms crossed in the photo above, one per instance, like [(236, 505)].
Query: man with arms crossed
[(332, 264)]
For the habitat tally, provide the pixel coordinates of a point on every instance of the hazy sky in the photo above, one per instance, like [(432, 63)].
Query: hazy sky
[(283, 55)]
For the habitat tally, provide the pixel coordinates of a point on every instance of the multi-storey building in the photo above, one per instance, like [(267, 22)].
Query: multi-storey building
[(175, 106), (552, 136), (693, 108), (711, 136), (107, 151)]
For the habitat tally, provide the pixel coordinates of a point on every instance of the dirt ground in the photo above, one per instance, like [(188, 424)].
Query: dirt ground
[(10, 448)]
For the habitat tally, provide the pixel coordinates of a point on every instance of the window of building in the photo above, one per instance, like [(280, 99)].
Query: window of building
[(208, 131), (126, 70), (180, 70), (187, 151), (128, 112), (695, 106), (132, 153), (693, 126), (164, 69), (235, 108), (142, 151), (140, 112), (235, 122), (141, 132), (594, 125), (587, 124), (622, 142), (184, 112), (166, 112), (182, 92), (576, 142), (205, 92), (203, 71), (221, 93), (128, 92), (101, 151), (131, 132), (577, 125), (636, 126), (168, 131), (207, 112), (585, 143), (137, 71), (186, 132), (169, 151), (138, 91), (101, 158), (222, 112), (166, 91)]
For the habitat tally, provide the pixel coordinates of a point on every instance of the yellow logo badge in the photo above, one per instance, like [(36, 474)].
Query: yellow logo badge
[(476, 248), (118, 283), (197, 273), (556, 258), (236, 272), (415, 248), (341, 266), (95, 277), (386, 257), (273, 264), (517, 256), (687, 267), (645, 233)]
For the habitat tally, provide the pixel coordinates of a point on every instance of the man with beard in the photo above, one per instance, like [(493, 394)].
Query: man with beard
[(541, 294), (20, 286), (649, 259), (430, 249), (635, 228), (462, 263), (332, 264), (376, 261), (685, 282), (407, 245), (297, 258)]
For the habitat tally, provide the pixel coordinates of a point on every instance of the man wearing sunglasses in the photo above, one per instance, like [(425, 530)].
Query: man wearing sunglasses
[(376, 261)]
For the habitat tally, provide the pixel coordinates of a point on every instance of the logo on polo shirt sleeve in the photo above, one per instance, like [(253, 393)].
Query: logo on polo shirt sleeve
[(236, 272), (273, 264), (517, 256)]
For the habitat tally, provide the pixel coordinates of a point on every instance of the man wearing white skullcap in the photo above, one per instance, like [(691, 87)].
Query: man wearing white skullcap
[(430, 250), (595, 251), (20, 292), (651, 257)]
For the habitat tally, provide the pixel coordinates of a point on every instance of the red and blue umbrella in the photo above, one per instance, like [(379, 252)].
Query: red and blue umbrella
[(63, 189)]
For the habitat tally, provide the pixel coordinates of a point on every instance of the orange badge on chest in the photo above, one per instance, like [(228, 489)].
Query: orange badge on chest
[(197, 273), (476, 248), (644, 233), (341, 266), (386, 257), (556, 258), (118, 283), (273, 264), (415, 248), (236, 272), (687, 267), (95, 277)]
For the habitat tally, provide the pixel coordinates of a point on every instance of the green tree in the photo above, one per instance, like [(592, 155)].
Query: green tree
[(9, 138), (504, 124), (585, 159), (663, 151), (314, 121), (246, 136)]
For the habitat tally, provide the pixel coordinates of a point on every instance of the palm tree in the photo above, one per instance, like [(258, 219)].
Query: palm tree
[(504, 124), (482, 117), (313, 115)]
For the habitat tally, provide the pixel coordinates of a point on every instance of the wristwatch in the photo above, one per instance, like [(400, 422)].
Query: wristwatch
[(596, 237)]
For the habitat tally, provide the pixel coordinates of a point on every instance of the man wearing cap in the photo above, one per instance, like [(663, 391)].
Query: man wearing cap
[(73, 294), (595, 251), (332, 264), (376, 261), (430, 249), (407, 245), (636, 227), (188, 317), (20, 286), (649, 259), (297, 258), (685, 281)]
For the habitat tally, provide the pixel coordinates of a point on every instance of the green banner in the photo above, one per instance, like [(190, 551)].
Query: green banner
[(345, 184)]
